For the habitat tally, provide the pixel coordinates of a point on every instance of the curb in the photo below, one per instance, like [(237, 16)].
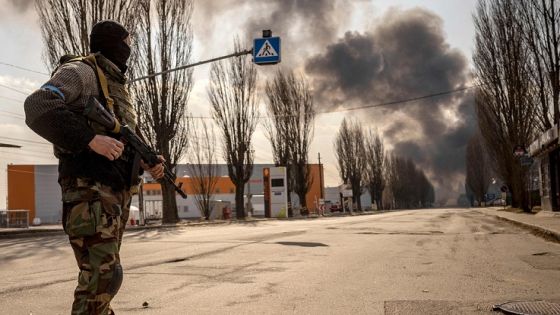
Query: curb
[(536, 230)]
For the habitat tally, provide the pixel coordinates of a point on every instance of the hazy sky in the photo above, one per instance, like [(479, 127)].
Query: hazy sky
[(354, 52)]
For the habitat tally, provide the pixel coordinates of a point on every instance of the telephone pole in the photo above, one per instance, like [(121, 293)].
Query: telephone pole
[(320, 175)]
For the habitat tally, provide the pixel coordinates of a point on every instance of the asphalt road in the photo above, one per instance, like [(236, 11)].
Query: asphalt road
[(445, 261)]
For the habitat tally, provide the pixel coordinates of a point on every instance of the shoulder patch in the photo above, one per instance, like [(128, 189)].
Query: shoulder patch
[(53, 89)]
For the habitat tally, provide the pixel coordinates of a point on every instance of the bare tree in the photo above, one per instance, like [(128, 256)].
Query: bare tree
[(505, 99), (278, 127), (290, 129), (161, 102), (540, 22), (232, 93), (478, 168), (375, 167), (350, 154), (409, 185), (66, 24), (390, 175), (203, 166)]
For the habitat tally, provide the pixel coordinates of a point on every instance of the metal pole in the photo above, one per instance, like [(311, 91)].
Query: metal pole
[(320, 176), (141, 213), (237, 54)]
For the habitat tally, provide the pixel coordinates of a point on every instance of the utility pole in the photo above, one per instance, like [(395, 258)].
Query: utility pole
[(320, 175)]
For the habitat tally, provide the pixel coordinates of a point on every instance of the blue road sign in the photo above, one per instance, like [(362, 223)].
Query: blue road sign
[(266, 50)]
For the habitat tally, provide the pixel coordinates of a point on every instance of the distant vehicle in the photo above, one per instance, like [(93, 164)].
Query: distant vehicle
[(335, 208), (498, 202)]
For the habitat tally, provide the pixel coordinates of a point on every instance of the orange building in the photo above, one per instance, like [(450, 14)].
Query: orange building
[(35, 188), (225, 186)]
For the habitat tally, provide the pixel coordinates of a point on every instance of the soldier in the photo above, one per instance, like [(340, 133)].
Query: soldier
[(97, 172)]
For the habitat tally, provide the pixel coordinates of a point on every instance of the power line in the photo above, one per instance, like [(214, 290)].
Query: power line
[(25, 149), (15, 90), (19, 154), (23, 140), (403, 101), (408, 100), (22, 68), (15, 115), (12, 99)]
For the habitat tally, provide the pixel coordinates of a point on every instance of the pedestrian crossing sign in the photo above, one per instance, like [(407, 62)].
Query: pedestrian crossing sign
[(266, 50)]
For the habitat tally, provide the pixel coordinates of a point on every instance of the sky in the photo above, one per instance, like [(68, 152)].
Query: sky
[(354, 53)]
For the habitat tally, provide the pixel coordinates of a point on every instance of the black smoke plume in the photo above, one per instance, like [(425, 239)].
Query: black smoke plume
[(404, 56)]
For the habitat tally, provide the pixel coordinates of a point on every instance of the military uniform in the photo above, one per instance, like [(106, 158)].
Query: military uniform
[(96, 192)]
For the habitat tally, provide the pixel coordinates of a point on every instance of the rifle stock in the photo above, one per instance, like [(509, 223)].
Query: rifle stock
[(94, 111)]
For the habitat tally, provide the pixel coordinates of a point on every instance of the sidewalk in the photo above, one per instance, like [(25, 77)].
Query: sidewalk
[(545, 224)]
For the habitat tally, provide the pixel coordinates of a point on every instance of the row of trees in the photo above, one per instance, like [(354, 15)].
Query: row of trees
[(162, 36), (392, 181), (517, 65)]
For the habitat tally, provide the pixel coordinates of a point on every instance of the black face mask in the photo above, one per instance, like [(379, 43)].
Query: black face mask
[(107, 37)]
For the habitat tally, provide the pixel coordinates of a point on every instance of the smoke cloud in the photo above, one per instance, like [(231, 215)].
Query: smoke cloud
[(20, 6), (304, 25), (404, 56)]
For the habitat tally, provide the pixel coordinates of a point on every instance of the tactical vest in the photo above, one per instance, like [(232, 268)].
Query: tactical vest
[(111, 83)]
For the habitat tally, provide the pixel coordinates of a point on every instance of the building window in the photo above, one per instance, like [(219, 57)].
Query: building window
[(185, 208)]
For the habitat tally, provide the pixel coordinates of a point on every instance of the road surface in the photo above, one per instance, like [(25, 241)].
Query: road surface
[(441, 261)]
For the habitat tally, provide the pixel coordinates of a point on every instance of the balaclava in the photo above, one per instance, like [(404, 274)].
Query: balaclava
[(107, 37)]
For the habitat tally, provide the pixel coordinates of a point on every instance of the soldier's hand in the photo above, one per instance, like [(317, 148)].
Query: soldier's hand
[(108, 147), (157, 170)]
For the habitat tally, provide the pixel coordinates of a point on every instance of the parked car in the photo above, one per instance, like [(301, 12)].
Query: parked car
[(335, 208)]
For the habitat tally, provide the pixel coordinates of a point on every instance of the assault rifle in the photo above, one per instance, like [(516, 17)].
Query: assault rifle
[(94, 111)]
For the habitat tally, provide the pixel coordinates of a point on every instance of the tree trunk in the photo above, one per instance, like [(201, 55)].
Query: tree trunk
[(378, 199), (302, 200), (290, 208), (519, 198), (239, 206), (356, 195), (373, 198), (169, 211)]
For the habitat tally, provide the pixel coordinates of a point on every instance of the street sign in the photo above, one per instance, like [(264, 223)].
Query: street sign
[(519, 151), (266, 50), (490, 197)]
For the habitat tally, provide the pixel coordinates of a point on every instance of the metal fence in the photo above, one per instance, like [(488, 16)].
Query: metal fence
[(14, 218)]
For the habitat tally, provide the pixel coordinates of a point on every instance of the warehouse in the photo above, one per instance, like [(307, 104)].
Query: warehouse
[(35, 188)]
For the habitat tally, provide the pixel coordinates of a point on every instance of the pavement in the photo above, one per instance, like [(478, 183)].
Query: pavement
[(545, 224), (431, 261)]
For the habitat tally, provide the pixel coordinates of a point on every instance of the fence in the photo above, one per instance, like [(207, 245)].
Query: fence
[(14, 218)]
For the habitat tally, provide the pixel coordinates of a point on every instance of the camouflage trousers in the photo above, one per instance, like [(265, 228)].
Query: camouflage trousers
[(94, 218)]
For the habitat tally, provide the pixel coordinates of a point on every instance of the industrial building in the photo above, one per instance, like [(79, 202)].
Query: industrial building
[(35, 188)]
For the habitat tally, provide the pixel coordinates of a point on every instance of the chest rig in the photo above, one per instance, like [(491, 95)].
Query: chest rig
[(117, 101)]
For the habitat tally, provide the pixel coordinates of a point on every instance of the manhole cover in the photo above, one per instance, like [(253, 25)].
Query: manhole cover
[(529, 308)]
